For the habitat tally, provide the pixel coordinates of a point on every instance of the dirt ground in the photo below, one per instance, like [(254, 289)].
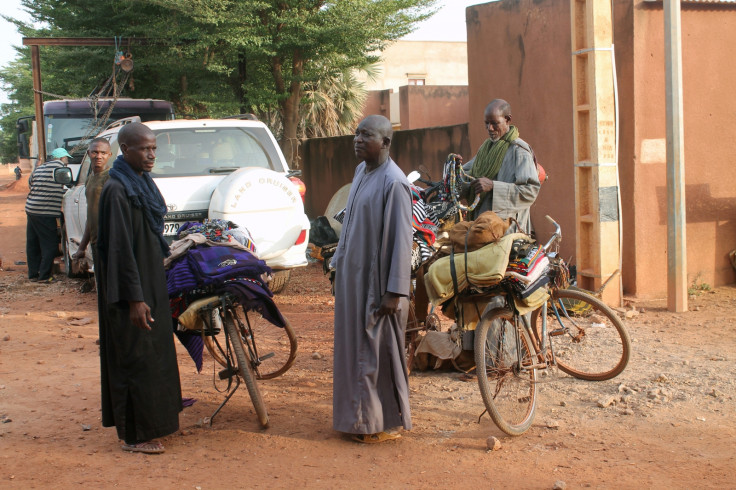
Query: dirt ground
[(668, 422)]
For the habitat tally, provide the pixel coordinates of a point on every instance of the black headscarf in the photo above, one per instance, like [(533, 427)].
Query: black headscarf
[(143, 194)]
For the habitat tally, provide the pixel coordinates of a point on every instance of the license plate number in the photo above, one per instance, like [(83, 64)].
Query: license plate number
[(171, 228)]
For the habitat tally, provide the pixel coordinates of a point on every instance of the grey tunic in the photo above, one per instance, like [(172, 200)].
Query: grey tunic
[(515, 188), (370, 390)]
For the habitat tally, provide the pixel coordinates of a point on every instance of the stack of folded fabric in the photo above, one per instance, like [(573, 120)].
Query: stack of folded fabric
[(207, 261), (528, 272), (481, 268), (425, 228)]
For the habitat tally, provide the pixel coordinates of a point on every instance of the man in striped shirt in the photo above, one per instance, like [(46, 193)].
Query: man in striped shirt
[(43, 207)]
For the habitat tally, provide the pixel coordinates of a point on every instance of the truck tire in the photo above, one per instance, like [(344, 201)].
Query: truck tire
[(280, 280)]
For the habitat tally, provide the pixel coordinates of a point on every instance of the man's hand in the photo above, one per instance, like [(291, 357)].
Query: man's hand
[(482, 184), (140, 315), (389, 304), (80, 253)]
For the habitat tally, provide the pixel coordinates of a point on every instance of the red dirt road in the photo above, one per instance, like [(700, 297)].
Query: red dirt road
[(671, 423)]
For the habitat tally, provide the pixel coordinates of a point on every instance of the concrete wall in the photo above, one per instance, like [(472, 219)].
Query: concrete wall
[(432, 105), (519, 50), (708, 38), (329, 163), (530, 66), (438, 62), (378, 102)]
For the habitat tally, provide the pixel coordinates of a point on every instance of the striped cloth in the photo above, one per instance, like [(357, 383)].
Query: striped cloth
[(45, 196)]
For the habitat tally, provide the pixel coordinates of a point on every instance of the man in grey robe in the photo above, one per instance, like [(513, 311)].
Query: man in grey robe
[(141, 394), (505, 174), (372, 281)]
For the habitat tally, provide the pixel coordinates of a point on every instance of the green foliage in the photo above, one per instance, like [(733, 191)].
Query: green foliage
[(219, 57), (697, 287)]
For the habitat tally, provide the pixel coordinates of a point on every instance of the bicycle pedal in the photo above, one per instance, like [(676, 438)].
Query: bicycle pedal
[(557, 333), (228, 373), (267, 356)]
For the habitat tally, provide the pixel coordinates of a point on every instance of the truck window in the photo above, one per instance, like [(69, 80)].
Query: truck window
[(187, 152)]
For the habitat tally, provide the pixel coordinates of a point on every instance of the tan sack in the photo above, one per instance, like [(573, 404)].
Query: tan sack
[(486, 267), (487, 228), (190, 319)]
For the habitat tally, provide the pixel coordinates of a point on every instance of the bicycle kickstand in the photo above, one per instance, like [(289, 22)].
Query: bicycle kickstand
[(227, 398)]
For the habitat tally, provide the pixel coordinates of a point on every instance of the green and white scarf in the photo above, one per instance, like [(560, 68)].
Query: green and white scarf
[(489, 158)]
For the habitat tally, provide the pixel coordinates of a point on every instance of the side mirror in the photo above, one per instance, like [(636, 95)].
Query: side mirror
[(23, 130), (63, 176)]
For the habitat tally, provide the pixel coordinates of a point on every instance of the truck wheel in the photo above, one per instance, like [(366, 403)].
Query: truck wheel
[(280, 280)]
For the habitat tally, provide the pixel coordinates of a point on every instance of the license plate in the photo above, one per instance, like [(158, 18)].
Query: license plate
[(171, 228)]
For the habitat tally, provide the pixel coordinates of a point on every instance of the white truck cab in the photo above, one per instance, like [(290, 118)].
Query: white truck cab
[(229, 169)]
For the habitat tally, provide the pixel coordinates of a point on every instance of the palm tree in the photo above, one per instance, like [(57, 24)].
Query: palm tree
[(333, 106)]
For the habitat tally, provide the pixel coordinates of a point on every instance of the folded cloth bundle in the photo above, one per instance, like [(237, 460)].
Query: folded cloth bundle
[(529, 276), (531, 302), (215, 264), (485, 267)]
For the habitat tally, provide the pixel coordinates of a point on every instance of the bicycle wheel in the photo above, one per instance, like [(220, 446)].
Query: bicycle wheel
[(504, 352), (411, 336), (274, 346), (245, 367), (589, 340)]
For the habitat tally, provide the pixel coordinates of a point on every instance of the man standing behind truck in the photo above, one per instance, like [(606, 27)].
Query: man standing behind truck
[(43, 207), (99, 154)]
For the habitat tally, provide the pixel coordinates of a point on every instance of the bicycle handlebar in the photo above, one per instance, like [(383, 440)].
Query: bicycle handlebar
[(556, 236), (431, 186)]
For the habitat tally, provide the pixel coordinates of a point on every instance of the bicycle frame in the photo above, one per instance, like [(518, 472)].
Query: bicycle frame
[(208, 314)]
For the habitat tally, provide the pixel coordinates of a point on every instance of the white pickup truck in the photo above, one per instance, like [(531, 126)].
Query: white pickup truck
[(230, 169)]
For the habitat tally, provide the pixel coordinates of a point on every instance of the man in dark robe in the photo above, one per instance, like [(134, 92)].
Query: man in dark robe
[(141, 394), (372, 281), (505, 174)]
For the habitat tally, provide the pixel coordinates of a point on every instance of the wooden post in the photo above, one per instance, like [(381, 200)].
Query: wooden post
[(38, 102), (676, 224), (595, 153)]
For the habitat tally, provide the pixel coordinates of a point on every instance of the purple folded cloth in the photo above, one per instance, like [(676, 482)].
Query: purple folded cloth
[(180, 277), (215, 264), (193, 343), (253, 296)]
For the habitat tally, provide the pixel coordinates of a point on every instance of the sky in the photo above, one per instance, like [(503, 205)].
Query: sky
[(446, 25)]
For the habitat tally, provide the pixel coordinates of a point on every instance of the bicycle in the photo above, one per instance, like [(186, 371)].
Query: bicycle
[(240, 355), (592, 342), (421, 316), (508, 351)]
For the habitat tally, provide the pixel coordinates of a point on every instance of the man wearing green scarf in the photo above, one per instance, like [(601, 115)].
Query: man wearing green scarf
[(504, 172)]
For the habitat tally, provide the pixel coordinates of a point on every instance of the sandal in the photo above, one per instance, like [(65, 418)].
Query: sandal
[(375, 438), (150, 447)]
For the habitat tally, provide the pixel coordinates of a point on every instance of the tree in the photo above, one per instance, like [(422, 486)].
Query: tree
[(270, 49), (333, 105), (218, 57)]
